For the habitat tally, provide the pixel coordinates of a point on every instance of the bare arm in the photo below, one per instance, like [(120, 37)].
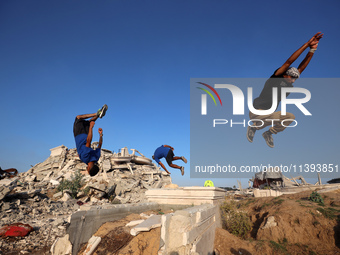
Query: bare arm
[(313, 45), (168, 146), (297, 53), (100, 131)]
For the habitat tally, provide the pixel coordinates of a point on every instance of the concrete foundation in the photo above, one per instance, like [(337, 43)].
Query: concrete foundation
[(85, 223), (190, 230), (266, 193), (187, 195)]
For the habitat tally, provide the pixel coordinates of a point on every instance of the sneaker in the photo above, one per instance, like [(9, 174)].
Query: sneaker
[(269, 139), (101, 112), (250, 133), (182, 170), (184, 159)]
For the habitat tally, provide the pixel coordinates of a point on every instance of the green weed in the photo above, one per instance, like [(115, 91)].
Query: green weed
[(235, 221), (317, 198), (73, 185)]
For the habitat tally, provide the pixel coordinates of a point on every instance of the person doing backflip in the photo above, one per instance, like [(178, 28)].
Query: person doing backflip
[(166, 151), (284, 76), (83, 133)]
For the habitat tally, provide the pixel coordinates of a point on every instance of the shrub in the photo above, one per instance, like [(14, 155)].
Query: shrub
[(73, 185), (236, 222), (316, 197)]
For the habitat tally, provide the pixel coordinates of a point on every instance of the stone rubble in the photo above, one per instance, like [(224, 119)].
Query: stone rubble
[(32, 196)]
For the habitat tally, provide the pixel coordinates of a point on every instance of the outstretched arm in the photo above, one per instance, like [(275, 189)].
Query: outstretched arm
[(90, 135), (313, 46), (100, 131), (297, 53)]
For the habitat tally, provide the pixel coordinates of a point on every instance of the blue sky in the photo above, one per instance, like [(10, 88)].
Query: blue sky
[(63, 58)]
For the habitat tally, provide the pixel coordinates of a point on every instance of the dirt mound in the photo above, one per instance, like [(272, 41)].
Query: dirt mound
[(116, 238), (289, 224)]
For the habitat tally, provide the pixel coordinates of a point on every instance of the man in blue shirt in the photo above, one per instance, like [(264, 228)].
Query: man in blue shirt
[(82, 130), (166, 151)]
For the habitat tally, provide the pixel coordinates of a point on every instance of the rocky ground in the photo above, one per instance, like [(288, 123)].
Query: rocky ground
[(33, 197)]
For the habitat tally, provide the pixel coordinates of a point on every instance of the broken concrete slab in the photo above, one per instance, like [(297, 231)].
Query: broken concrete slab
[(62, 246), (134, 223), (186, 195), (150, 223)]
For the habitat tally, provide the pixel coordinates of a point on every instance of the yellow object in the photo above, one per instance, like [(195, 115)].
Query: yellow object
[(208, 183)]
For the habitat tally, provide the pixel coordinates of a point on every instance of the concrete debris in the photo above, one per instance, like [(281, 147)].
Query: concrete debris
[(134, 223), (92, 245), (32, 197), (62, 246), (270, 222), (150, 223)]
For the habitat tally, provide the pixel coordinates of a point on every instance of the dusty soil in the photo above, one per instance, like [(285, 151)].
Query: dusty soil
[(303, 226), (116, 238)]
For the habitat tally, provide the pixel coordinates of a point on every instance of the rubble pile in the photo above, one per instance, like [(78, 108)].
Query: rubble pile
[(32, 197)]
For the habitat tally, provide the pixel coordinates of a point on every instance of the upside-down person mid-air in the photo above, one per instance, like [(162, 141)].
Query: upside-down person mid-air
[(284, 76), (83, 133)]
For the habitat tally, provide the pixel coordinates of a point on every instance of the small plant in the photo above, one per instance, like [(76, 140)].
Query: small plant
[(279, 201), (73, 185), (317, 198), (248, 202), (86, 190), (235, 221), (264, 205), (328, 213), (279, 247)]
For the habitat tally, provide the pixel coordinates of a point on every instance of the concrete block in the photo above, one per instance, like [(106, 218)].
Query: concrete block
[(267, 193), (66, 197), (206, 213), (205, 243), (165, 221), (199, 229), (61, 246), (186, 195), (190, 231), (57, 151)]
